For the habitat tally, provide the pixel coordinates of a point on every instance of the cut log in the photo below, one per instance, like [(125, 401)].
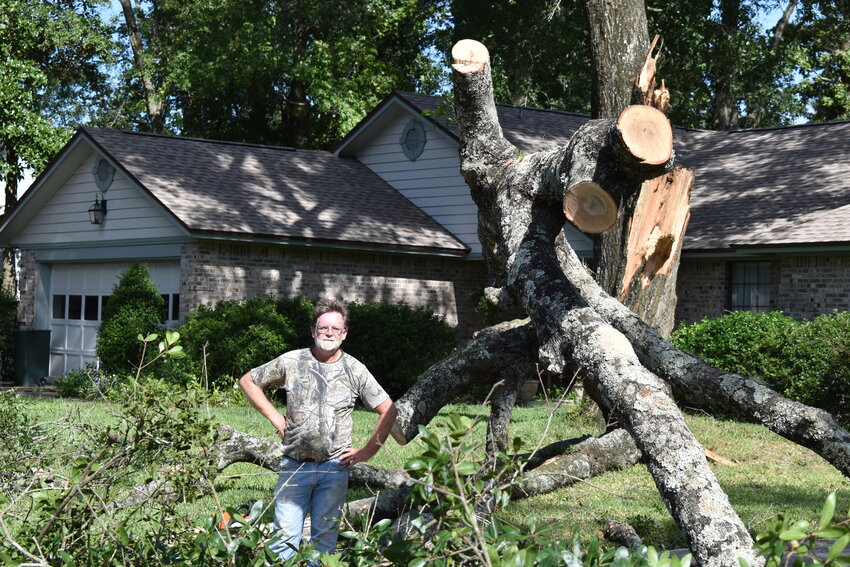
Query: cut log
[(469, 56), (646, 134), (590, 208)]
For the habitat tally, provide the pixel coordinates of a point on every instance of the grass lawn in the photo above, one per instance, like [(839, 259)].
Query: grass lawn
[(772, 475)]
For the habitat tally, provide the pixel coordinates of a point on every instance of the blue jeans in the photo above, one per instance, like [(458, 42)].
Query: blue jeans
[(319, 488)]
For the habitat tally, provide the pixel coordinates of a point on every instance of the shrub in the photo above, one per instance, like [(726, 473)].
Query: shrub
[(134, 307), (737, 342), (238, 334), (808, 362), (397, 342), (816, 369)]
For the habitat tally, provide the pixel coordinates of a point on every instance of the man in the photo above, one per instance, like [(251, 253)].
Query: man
[(322, 384)]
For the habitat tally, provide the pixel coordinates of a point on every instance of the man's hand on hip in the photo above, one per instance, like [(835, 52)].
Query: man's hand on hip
[(352, 456)]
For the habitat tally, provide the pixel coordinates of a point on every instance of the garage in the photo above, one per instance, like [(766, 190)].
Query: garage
[(78, 293)]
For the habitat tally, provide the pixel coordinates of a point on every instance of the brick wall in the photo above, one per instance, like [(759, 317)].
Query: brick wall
[(27, 288), (802, 287), (703, 290), (811, 285), (212, 271)]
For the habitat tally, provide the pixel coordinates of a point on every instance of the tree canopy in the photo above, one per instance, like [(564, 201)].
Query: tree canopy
[(298, 73), (54, 56)]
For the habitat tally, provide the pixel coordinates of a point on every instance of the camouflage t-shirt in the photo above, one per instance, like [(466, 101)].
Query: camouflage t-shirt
[(319, 400)]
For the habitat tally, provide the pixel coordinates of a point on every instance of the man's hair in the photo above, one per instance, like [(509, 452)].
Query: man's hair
[(330, 306)]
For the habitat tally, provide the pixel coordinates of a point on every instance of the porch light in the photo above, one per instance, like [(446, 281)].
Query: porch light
[(97, 212)]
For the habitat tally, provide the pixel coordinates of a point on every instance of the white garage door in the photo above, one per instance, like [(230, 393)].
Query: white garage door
[(79, 292)]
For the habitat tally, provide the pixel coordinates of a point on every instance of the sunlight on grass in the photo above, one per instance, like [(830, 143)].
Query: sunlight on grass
[(772, 475)]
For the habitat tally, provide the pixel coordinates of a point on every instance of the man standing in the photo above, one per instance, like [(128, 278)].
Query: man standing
[(322, 384)]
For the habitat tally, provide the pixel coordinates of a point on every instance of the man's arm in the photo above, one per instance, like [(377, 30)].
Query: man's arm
[(386, 418), (257, 398)]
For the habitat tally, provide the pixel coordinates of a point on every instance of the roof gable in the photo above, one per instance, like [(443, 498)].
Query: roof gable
[(244, 190), (54, 210), (783, 186)]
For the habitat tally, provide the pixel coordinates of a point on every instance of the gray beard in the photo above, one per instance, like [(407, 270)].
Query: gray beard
[(327, 346)]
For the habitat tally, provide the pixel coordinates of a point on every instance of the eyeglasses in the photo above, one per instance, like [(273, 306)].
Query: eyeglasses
[(334, 330)]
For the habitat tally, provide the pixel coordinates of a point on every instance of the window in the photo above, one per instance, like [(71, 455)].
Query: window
[(171, 308), (75, 307), (78, 307), (58, 306), (750, 286)]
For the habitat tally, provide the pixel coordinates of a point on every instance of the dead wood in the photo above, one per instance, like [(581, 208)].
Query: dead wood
[(519, 195)]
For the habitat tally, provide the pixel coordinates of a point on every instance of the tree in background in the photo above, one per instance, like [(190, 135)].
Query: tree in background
[(823, 36), (294, 73), (52, 54), (539, 47)]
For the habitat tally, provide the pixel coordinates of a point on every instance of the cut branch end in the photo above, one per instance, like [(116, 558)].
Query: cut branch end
[(646, 134), (589, 207), (469, 56)]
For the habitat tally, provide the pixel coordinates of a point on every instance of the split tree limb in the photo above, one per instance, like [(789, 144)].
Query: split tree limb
[(516, 195)]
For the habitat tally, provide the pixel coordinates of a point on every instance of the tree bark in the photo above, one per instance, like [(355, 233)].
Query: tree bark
[(156, 106), (10, 279), (618, 40), (521, 196)]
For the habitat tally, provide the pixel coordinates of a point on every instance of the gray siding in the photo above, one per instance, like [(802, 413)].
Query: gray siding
[(64, 219), (433, 181)]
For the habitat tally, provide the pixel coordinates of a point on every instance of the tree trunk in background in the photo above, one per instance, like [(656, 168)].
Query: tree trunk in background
[(725, 105), (156, 106), (618, 42), (10, 279), (637, 259)]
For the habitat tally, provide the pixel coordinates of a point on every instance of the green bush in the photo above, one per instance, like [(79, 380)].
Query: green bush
[(816, 369), (8, 324), (397, 342), (737, 341), (135, 307), (808, 362), (237, 335)]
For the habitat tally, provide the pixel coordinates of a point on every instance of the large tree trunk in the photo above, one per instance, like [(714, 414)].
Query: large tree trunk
[(637, 259), (522, 197)]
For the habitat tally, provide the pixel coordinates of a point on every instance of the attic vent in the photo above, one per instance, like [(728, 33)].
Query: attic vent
[(103, 173), (413, 139)]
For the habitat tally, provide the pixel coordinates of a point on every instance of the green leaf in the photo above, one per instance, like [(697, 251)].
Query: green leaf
[(791, 534), (123, 538), (415, 465), (467, 468), (836, 548), (743, 562), (831, 532), (828, 511)]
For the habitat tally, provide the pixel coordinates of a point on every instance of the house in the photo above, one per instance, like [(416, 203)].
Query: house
[(216, 220), (387, 216), (770, 208)]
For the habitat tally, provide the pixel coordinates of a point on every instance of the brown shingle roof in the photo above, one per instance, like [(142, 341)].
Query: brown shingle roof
[(226, 188), (784, 186)]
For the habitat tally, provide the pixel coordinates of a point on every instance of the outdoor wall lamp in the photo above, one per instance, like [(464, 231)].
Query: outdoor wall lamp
[(97, 212)]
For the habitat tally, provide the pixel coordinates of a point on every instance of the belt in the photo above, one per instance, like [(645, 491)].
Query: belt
[(307, 460)]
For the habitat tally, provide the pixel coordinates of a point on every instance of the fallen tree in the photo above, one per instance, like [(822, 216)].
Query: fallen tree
[(573, 323)]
